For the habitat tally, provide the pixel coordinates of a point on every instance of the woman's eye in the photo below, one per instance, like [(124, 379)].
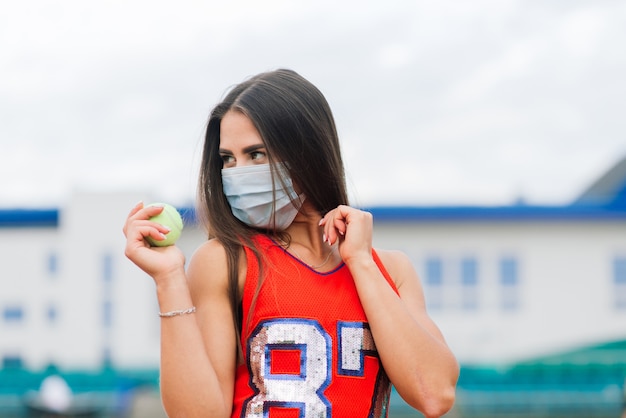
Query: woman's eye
[(227, 159), (257, 155)]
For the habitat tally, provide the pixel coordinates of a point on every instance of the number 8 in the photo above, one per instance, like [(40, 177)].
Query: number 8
[(304, 391)]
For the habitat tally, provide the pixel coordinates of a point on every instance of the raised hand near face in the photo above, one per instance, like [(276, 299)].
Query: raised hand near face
[(352, 228)]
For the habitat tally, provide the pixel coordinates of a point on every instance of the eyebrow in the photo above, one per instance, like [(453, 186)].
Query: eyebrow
[(246, 150)]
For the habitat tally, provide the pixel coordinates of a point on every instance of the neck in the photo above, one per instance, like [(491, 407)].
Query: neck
[(305, 229), (304, 240)]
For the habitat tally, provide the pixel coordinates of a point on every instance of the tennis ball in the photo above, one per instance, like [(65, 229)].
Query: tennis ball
[(168, 217)]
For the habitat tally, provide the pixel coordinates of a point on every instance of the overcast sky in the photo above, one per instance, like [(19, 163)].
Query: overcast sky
[(437, 102)]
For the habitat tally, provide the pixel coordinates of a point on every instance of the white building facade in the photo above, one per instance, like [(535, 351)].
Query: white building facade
[(503, 283), (69, 297), (510, 284)]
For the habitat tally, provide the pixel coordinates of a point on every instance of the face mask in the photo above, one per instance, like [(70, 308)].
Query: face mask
[(250, 192)]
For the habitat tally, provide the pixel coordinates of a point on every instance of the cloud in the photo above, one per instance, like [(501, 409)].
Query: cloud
[(431, 98)]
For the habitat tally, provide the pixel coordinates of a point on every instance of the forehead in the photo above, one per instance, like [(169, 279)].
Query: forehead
[(238, 131)]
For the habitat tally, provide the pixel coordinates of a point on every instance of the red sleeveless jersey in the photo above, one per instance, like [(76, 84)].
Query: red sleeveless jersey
[(308, 350)]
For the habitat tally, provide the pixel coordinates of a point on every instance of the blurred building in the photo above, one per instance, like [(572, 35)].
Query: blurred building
[(69, 297), (516, 282), (505, 284)]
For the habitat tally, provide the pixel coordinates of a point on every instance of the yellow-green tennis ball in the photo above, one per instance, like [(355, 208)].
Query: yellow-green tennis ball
[(168, 217)]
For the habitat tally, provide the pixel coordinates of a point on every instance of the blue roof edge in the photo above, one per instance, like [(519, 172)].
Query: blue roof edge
[(23, 218), (29, 218), (496, 213)]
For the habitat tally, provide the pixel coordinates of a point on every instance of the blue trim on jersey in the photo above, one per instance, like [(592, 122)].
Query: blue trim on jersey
[(293, 257), (300, 406), (341, 325), (269, 348)]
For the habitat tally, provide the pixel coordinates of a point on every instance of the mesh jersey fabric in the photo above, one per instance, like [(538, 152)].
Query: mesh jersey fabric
[(308, 350)]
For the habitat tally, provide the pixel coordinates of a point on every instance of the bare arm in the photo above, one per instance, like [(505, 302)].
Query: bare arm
[(411, 347), (198, 351)]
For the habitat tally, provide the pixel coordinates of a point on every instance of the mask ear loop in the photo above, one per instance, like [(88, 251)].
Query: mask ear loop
[(296, 200), (279, 173), (273, 169)]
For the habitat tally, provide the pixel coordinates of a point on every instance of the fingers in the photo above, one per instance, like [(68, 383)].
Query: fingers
[(136, 209), (328, 223), (132, 213), (152, 230), (140, 231), (138, 225), (139, 211), (336, 228), (336, 222)]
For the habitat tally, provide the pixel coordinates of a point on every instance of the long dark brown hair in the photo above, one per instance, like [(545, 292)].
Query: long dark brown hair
[(298, 129)]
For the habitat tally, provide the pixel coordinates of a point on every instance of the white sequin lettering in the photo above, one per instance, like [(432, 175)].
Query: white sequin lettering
[(303, 390)]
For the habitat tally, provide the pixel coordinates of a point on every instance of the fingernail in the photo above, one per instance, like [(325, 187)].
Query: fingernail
[(341, 233), (320, 222), (323, 237)]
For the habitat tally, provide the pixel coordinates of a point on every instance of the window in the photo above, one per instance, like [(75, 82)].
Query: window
[(107, 267), (52, 314), (509, 284), (434, 272), (434, 282), (12, 361), (107, 278), (469, 284), (13, 314), (53, 264), (619, 282)]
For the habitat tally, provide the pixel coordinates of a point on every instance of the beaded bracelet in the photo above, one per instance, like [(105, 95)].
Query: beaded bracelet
[(176, 313)]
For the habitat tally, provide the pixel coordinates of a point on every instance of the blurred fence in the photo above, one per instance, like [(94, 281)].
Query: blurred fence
[(107, 393), (542, 390), (534, 390)]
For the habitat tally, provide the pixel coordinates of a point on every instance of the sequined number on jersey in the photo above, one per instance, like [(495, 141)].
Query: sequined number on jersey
[(303, 343)]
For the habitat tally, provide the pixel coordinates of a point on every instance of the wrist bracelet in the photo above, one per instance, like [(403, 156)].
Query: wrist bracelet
[(176, 313)]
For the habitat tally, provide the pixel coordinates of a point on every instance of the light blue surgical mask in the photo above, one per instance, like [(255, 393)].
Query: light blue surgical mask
[(253, 199)]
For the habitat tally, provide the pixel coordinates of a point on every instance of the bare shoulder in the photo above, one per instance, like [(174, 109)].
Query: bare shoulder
[(208, 268), (393, 256), (399, 266), (207, 272)]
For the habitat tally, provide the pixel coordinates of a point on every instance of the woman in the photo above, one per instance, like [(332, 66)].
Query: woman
[(286, 309)]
